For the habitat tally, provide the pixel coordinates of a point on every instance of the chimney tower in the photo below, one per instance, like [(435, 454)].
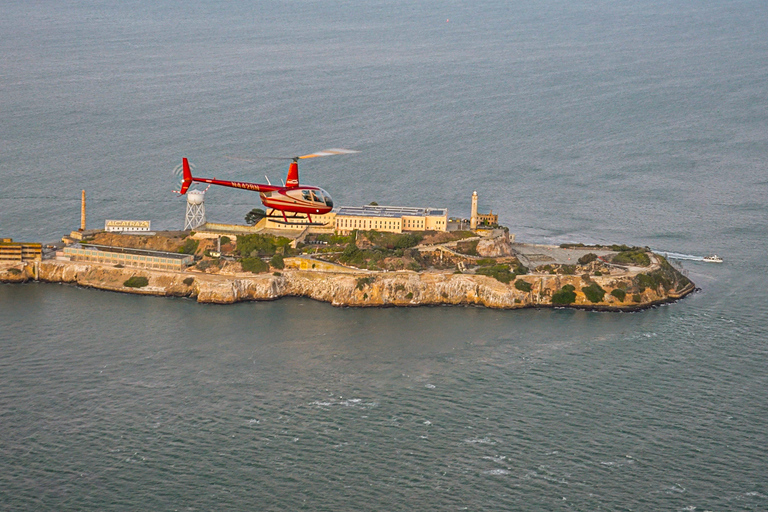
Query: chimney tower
[(82, 212), (473, 216)]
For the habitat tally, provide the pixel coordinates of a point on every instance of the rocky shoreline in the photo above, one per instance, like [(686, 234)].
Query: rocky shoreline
[(361, 288)]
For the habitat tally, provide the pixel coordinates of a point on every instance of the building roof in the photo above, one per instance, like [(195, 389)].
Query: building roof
[(390, 211), (139, 252)]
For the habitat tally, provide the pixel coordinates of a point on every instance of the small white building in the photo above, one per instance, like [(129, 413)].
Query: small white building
[(127, 226)]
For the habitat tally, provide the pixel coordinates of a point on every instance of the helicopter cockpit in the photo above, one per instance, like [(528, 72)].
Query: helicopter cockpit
[(318, 196)]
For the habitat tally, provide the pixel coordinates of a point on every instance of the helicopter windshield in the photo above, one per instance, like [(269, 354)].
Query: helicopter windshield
[(327, 198)]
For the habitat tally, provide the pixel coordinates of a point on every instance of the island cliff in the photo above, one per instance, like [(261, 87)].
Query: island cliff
[(632, 290)]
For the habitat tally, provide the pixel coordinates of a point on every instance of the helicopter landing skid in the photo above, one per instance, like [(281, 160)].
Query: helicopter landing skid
[(294, 220), (289, 223)]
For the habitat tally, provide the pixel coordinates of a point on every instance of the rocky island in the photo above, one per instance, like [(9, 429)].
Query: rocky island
[(370, 268)]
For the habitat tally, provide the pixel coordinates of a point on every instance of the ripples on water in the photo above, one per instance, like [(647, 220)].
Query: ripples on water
[(639, 124), (295, 403)]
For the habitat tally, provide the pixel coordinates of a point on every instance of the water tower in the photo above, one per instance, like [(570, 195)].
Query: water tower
[(195, 209)]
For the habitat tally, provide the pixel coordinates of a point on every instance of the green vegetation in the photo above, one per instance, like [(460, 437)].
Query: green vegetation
[(486, 262), (277, 261), (587, 258), (255, 265), (254, 216), (189, 246), (638, 258), (136, 282), (636, 297), (626, 248), (206, 264), (278, 274), (261, 245), (352, 255), (565, 295), (362, 282), (415, 266), (619, 294), (523, 286), (467, 247), (593, 292), (409, 295), (14, 271), (392, 241), (225, 240), (501, 273), (188, 281), (568, 270), (334, 239)]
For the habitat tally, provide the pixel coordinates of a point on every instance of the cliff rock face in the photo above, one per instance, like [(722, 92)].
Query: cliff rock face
[(364, 289), (495, 247)]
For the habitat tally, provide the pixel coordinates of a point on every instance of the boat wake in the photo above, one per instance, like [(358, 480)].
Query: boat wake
[(678, 256)]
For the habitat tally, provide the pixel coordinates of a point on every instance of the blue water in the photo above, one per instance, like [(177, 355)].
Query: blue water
[(618, 122)]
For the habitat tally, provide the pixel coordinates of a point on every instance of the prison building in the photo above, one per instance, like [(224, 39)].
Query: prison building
[(392, 219), (299, 224), (20, 251), (141, 258)]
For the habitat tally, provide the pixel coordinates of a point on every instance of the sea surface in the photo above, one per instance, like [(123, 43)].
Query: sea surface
[(643, 123)]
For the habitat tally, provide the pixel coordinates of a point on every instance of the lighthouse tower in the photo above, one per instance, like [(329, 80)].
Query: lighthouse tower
[(195, 209), (473, 216)]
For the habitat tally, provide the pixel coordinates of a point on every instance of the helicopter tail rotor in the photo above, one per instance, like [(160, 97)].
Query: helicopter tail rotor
[(187, 177)]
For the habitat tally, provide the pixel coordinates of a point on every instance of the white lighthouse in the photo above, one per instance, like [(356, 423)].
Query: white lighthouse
[(473, 215)]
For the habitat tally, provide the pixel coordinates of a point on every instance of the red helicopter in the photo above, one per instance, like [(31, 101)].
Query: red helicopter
[(292, 198)]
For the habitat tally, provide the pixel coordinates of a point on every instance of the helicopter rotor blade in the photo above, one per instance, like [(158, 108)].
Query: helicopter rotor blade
[(329, 152), (256, 159)]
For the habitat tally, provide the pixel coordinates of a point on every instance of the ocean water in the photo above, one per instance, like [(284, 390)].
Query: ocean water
[(620, 122)]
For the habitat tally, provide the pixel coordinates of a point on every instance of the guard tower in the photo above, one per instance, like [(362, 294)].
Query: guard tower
[(195, 209)]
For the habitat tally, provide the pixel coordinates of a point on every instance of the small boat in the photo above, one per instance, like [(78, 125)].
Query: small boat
[(713, 258)]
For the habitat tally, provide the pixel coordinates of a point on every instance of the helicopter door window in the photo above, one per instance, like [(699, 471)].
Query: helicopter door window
[(315, 198), (307, 195)]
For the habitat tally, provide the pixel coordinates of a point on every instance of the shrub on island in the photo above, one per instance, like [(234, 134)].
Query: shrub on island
[(277, 261), (523, 286), (254, 265), (501, 273), (362, 282), (593, 292), (189, 246), (136, 282), (565, 295), (619, 294), (638, 258), (587, 258)]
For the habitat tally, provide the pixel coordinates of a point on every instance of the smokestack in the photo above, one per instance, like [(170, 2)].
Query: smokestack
[(82, 213)]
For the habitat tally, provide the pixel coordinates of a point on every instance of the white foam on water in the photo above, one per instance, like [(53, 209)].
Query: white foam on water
[(678, 256), (484, 440), (496, 472)]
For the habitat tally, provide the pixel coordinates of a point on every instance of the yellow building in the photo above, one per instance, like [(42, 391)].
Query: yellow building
[(318, 221), (392, 219), (20, 251), (487, 219)]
